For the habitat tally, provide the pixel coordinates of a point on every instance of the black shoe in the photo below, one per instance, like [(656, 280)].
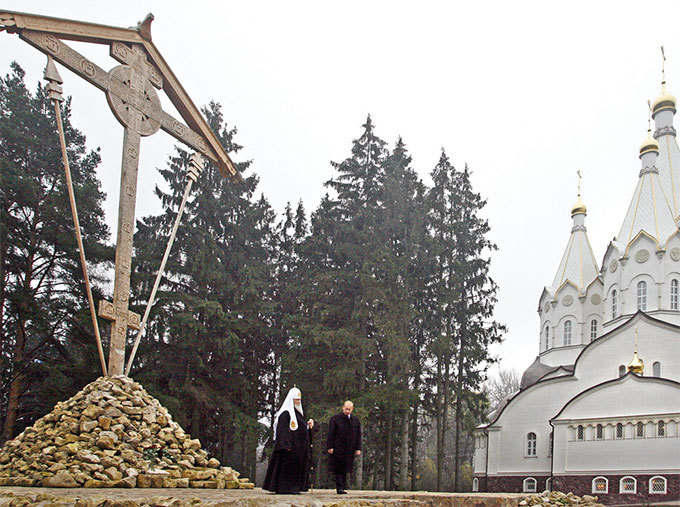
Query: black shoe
[(342, 492)]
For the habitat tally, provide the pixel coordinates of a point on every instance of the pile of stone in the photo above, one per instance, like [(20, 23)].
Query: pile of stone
[(559, 499), (111, 434)]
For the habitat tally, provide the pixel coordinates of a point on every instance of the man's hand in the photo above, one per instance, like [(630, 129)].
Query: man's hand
[(310, 424), (357, 453), (330, 451)]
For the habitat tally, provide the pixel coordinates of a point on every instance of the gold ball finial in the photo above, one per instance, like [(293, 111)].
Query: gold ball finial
[(665, 101), (578, 207), (636, 366), (650, 144)]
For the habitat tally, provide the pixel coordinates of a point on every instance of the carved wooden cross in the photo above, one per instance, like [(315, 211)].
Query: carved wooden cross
[(132, 97)]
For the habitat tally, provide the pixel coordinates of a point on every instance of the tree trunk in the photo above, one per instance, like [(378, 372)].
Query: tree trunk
[(16, 384), (440, 426), (18, 358), (414, 443), (359, 475), (403, 465), (388, 450)]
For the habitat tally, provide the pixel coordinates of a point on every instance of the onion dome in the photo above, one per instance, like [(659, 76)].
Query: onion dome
[(578, 207), (636, 366), (665, 101), (649, 145)]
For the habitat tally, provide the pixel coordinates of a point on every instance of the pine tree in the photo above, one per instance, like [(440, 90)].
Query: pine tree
[(42, 290)]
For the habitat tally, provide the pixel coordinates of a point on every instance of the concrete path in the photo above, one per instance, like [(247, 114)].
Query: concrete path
[(82, 497)]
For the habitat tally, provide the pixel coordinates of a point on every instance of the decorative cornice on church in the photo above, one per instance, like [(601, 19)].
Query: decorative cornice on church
[(577, 228), (648, 169), (668, 130)]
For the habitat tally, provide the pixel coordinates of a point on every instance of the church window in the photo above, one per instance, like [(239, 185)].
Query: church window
[(642, 296), (547, 336), (674, 294), (599, 432), (579, 432), (593, 329), (656, 369), (600, 485), (529, 485), (614, 304), (622, 370), (619, 431), (567, 332), (628, 485), (475, 484), (657, 485), (661, 429), (640, 430), (531, 444)]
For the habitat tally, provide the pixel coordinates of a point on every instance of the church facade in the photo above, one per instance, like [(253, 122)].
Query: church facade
[(598, 411)]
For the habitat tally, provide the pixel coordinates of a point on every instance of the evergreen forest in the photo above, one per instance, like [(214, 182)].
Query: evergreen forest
[(381, 295)]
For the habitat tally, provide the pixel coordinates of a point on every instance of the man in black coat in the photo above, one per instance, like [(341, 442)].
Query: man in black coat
[(343, 443)]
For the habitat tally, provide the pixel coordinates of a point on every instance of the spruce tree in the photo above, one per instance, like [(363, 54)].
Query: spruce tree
[(210, 338)]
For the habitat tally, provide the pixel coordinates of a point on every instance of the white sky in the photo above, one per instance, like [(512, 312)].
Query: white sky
[(525, 92)]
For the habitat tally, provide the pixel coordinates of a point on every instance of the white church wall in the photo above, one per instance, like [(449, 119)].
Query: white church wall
[(654, 340), (581, 447), (561, 355), (530, 411)]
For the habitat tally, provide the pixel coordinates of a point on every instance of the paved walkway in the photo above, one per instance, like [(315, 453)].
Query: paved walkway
[(81, 497)]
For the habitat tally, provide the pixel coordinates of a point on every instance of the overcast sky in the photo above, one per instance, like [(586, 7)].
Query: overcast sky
[(523, 92)]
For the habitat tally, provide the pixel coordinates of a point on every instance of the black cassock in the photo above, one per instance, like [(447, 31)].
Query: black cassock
[(344, 437), (288, 470)]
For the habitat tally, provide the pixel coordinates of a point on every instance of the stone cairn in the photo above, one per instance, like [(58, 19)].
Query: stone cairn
[(112, 434), (559, 499)]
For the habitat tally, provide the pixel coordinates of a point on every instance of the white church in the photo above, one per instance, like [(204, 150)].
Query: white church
[(598, 411)]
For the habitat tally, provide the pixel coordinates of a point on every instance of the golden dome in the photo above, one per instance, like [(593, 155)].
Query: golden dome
[(650, 144), (578, 207), (664, 101), (636, 366)]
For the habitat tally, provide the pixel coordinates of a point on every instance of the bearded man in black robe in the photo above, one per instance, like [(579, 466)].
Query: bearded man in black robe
[(343, 443), (288, 469)]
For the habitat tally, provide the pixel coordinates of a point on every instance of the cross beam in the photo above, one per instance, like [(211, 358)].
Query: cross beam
[(130, 90)]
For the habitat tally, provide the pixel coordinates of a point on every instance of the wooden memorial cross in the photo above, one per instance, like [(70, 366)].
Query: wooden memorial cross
[(131, 93)]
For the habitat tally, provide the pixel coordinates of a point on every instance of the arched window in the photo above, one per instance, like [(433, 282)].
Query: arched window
[(567, 332), (657, 485), (628, 485), (599, 432), (661, 429), (529, 485), (579, 432), (674, 294), (640, 430), (642, 296), (614, 304), (531, 444), (547, 336), (475, 484), (622, 370), (656, 369), (593, 329), (619, 431), (600, 485)]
